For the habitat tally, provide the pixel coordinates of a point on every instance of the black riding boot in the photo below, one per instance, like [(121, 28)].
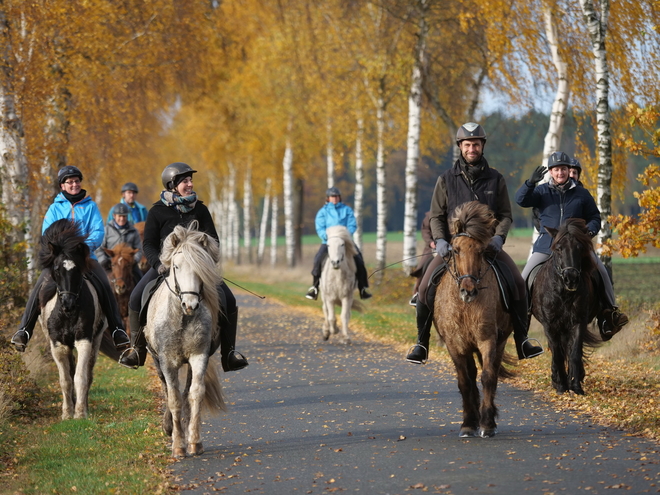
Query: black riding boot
[(520, 319), (420, 351), (231, 359), (136, 355), (313, 291)]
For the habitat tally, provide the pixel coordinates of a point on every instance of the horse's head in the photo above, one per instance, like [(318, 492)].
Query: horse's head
[(571, 252), (340, 246), (122, 259), (64, 252), (472, 226)]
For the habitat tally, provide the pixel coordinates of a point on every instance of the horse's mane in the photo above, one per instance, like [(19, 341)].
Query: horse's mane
[(64, 237), (475, 219), (577, 229), (343, 233), (203, 253), (123, 250)]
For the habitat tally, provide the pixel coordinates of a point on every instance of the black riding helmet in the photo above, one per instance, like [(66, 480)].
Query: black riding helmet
[(174, 173), (121, 209), (557, 159), (574, 163), (332, 191), (470, 130), (68, 171), (129, 186)]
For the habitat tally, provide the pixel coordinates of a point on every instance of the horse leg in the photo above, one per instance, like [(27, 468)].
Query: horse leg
[(83, 377), (64, 360), (346, 304), (489, 374), (198, 364), (328, 314), (466, 371), (167, 415), (575, 360), (559, 376), (174, 405)]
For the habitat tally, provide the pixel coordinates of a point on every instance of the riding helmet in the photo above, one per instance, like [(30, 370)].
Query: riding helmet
[(332, 191), (129, 186), (68, 171), (558, 158), (121, 209), (173, 172), (470, 130), (575, 163)]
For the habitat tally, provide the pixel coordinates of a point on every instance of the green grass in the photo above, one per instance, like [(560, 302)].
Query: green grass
[(118, 449)]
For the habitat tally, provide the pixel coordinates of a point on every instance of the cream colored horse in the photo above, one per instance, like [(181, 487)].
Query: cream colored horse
[(338, 282)]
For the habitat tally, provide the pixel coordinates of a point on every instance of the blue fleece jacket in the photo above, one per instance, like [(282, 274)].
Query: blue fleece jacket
[(334, 214)]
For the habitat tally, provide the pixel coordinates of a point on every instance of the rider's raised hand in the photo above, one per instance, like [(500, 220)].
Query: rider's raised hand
[(496, 243), (442, 247), (538, 174)]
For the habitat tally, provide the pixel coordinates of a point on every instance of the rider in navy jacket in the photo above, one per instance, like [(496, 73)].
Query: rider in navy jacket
[(331, 214), (558, 199)]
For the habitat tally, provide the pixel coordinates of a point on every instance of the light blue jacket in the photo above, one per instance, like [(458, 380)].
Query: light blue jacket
[(138, 212), (330, 215), (85, 213)]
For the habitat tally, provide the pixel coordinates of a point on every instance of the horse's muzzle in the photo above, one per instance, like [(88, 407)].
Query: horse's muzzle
[(468, 295)]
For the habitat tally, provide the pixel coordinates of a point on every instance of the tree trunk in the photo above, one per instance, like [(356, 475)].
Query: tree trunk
[(273, 233), (247, 213), (330, 157), (381, 190), (413, 153), (287, 165), (299, 191), (359, 183), (596, 23), (264, 223)]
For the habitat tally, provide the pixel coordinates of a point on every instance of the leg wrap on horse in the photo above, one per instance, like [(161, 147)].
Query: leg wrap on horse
[(231, 359)]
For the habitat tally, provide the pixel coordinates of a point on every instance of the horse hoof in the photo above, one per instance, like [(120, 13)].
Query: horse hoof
[(487, 432), (326, 337), (467, 432), (195, 449), (578, 390), (179, 453)]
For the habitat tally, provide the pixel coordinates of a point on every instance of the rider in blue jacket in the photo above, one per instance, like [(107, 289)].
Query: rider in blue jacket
[(73, 203), (138, 212), (334, 213), (558, 199)]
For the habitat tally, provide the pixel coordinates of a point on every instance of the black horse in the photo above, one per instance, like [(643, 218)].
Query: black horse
[(565, 301), (71, 314)]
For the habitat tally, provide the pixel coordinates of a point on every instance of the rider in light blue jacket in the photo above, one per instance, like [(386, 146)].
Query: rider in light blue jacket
[(334, 213), (73, 203)]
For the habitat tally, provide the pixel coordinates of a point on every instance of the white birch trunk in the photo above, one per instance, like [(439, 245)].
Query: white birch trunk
[(413, 153), (560, 103), (273, 232), (232, 216), (247, 213), (359, 183), (264, 223), (287, 165), (381, 189), (330, 157)]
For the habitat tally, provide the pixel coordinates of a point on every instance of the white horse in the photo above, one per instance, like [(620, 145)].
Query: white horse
[(338, 282), (181, 323)]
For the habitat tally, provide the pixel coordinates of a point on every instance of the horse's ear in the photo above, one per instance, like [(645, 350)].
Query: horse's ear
[(174, 239), (551, 231), (194, 225), (109, 252)]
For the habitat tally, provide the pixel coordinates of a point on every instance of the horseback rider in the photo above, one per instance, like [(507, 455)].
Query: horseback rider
[(334, 212), (427, 255), (118, 230), (558, 199), (470, 179), (179, 205), (73, 203), (138, 212)]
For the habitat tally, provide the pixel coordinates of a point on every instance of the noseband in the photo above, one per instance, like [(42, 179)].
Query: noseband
[(70, 293), (177, 289), (562, 271)]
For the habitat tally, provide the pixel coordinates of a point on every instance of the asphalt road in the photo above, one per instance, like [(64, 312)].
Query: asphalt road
[(319, 417)]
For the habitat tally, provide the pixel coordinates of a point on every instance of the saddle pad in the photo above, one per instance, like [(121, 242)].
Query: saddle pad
[(148, 291)]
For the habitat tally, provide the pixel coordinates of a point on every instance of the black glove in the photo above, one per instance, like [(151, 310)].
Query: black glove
[(442, 247), (537, 175), (496, 243)]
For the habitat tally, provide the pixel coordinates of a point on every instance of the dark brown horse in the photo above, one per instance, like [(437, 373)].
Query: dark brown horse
[(143, 264), (122, 257), (564, 301), (471, 318)]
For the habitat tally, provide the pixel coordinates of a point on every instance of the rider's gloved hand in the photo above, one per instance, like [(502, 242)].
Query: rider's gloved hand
[(537, 175), (162, 269), (496, 243), (442, 247)]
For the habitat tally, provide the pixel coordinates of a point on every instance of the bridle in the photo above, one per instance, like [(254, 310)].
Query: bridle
[(75, 295), (458, 278), (177, 289), (563, 270)]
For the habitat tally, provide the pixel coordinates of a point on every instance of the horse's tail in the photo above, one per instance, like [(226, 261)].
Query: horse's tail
[(506, 370), (357, 305), (214, 400)]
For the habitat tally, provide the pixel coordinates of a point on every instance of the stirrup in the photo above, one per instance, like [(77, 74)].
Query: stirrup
[(422, 361), (531, 355), (413, 300), (239, 356), (121, 356), (20, 346)]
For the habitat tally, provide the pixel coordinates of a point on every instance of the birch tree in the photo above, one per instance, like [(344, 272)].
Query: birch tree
[(247, 212), (264, 222), (287, 169)]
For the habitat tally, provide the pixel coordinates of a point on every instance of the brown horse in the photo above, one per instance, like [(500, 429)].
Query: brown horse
[(564, 301), (122, 257), (471, 318), (143, 264)]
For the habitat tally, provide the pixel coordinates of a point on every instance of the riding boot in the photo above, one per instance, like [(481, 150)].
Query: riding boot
[(30, 315), (361, 276), (136, 355), (420, 351), (110, 309), (231, 359), (313, 291), (520, 319)]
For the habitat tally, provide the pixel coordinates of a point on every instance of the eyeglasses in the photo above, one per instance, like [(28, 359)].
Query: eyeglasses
[(72, 182)]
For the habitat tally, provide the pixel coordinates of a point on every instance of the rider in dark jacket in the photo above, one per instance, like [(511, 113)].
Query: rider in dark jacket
[(179, 205), (470, 179), (558, 199)]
